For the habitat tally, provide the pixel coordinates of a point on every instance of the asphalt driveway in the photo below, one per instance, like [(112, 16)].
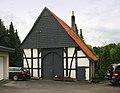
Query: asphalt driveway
[(49, 86)]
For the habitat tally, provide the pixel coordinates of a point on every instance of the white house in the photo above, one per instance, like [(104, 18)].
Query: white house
[(4, 62)]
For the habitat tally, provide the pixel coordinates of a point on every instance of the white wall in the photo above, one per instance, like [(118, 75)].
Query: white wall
[(35, 61), (27, 52), (82, 62), (1, 68), (4, 57), (87, 73)]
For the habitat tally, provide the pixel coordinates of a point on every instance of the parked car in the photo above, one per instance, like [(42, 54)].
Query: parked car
[(17, 73), (113, 74)]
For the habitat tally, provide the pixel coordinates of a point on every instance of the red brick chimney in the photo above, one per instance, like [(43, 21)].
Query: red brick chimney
[(73, 21)]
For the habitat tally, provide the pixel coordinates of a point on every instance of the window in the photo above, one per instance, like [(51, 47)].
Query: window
[(118, 69)]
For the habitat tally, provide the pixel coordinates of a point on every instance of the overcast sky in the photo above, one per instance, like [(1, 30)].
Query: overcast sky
[(99, 19)]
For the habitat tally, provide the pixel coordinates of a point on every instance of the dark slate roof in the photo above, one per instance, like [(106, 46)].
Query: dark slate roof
[(47, 32), (50, 31), (6, 49)]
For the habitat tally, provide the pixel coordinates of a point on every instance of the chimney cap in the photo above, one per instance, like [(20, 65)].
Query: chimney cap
[(72, 13)]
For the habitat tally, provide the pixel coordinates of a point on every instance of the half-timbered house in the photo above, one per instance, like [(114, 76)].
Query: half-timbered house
[(52, 48)]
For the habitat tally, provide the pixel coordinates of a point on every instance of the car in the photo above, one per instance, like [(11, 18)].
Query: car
[(113, 74), (17, 73)]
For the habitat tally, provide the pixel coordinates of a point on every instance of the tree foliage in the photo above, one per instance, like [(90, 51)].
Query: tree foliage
[(107, 55), (9, 38)]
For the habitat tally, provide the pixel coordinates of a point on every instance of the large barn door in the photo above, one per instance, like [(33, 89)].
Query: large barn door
[(52, 63), (47, 66), (1, 68)]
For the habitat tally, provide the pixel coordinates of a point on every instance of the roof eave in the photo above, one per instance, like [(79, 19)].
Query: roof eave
[(6, 49)]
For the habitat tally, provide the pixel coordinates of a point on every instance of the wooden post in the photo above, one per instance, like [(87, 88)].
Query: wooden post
[(38, 52), (66, 61), (72, 62), (32, 62), (76, 55)]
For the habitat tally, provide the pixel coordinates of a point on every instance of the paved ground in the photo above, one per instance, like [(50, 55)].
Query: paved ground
[(48, 86)]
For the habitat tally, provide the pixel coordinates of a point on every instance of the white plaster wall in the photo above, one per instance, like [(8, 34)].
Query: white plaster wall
[(40, 54), (40, 72), (25, 63), (40, 63), (80, 53), (73, 63), (64, 63), (64, 54), (70, 52), (35, 61), (83, 62), (35, 53), (87, 73), (64, 73), (35, 72), (73, 73), (27, 52), (69, 63)]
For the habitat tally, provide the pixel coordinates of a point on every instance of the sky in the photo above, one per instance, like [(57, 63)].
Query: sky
[(98, 19)]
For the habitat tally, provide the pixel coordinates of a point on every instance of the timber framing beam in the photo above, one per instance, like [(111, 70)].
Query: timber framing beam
[(32, 62), (72, 61), (38, 61), (25, 58)]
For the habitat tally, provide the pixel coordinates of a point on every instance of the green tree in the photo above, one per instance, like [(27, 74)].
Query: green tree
[(115, 54), (3, 34), (96, 50), (106, 56), (18, 51), (12, 38), (14, 42), (9, 38)]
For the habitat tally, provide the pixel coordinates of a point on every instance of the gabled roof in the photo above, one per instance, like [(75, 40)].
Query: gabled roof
[(47, 32), (78, 40), (50, 31)]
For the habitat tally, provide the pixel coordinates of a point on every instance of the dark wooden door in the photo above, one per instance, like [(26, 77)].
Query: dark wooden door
[(52, 63), (47, 67), (80, 73)]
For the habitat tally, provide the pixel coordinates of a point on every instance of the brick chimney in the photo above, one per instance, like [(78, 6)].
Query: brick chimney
[(73, 21)]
